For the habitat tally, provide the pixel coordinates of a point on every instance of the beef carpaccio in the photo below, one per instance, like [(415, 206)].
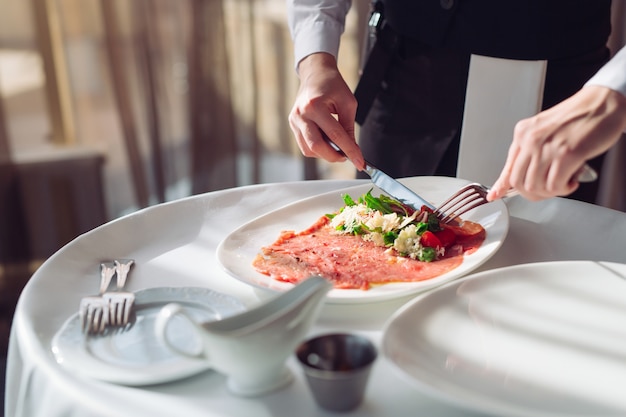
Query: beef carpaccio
[(370, 242)]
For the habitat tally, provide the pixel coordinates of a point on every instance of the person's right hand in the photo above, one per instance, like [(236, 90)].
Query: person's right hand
[(326, 106)]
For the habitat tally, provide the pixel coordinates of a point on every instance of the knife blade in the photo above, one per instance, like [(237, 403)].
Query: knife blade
[(390, 185), (395, 188)]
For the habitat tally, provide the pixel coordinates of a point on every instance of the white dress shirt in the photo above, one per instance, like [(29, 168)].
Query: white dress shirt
[(613, 74), (317, 25)]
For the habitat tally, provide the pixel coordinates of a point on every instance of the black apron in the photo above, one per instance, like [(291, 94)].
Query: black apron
[(411, 110)]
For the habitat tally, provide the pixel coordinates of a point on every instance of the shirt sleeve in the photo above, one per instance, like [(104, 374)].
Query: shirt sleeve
[(316, 26), (612, 74)]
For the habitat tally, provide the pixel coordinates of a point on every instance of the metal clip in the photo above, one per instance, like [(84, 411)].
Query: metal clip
[(375, 21), (373, 26)]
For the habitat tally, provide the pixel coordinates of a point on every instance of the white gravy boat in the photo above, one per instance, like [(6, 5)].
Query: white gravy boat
[(251, 348)]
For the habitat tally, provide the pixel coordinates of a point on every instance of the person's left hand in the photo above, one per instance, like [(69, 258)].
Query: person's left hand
[(550, 148)]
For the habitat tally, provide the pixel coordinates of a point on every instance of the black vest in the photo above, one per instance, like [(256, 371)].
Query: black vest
[(514, 29)]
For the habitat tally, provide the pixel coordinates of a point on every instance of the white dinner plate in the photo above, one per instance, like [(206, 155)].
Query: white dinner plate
[(136, 357), (540, 340), (238, 250)]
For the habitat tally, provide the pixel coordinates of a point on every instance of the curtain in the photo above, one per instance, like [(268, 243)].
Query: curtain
[(189, 96)]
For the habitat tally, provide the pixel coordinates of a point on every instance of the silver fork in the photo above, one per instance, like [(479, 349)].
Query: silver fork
[(120, 302), (94, 309), (467, 198), (475, 194)]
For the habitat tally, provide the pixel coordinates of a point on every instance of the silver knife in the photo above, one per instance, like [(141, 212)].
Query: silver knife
[(396, 189), (390, 185)]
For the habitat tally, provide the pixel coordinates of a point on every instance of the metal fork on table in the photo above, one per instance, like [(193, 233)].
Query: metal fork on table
[(475, 194), (94, 309), (120, 302)]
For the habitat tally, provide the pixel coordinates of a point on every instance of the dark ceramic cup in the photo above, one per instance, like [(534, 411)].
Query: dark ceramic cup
[(337, 368)]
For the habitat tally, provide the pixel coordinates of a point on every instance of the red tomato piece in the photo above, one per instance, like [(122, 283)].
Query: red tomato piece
[(430, 240), (447, 237)]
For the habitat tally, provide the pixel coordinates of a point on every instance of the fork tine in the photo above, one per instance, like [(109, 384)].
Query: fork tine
[(110, 299), (445, 206), (88, 308), (462, 202), (82, 313), (119, 311), (112, 311), (120, 307), (95, 319), (92, 319), (451, 203), (450, 217), (128, 306), (87, 323), (99, 321), (465, 199)]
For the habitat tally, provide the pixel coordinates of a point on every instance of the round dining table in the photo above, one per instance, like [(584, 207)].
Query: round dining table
[(179, 250)]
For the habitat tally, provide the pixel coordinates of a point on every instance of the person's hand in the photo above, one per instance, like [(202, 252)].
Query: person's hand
[(550, 148), (324, 106)]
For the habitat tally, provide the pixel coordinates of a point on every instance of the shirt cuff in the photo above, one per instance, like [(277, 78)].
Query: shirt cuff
[(613, 74), (313, 37)]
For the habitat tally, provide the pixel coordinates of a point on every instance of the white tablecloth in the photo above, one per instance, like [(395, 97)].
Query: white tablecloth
[(36, 385)]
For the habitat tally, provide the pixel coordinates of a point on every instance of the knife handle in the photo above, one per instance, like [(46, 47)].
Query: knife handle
[(587, 174), (368, 167), (334, 145)]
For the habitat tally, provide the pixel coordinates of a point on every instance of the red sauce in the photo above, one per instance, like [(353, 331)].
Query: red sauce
[(353, 263)]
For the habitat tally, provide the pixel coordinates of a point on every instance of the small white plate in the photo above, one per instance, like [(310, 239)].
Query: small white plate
[(533, 340), (238, 250), (136, 357)]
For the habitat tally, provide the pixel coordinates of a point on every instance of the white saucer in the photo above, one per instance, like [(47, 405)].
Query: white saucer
[(136, 357)]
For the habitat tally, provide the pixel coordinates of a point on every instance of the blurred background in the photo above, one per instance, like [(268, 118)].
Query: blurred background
[(109, 106)]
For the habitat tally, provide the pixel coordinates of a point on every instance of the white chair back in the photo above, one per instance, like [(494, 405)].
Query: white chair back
[(500, 92)]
